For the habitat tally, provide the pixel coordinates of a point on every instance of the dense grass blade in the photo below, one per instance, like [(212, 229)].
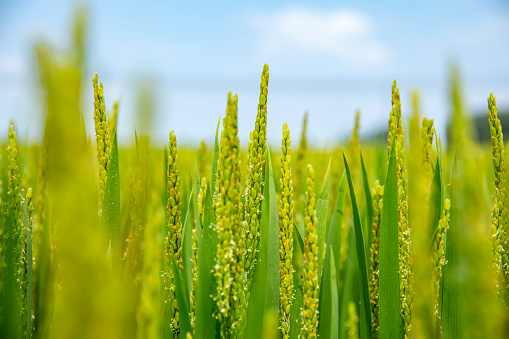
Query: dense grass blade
[(215, 157), (390, 319), (450, 291), (273, 241), (187, 247), (361, 257), (369, 205), (322, 211), (111, 206), (183, 302)]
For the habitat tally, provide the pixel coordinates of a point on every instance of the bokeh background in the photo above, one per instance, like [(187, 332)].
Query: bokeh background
[(325, 57)]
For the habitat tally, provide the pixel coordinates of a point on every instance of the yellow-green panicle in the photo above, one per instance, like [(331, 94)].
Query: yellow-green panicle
[(102, 136), (499, 227), (309, 313), (377, 193), (254, 185), (285, 236), (229, 272), (174, 239), (396, 141)]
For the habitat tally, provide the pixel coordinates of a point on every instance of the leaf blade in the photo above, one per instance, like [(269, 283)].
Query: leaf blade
[(390, 325), (359, 242), (111, 206), (206, 323), (187, 248), (182, 301), (273, 242), (369, 204), (322, 211)]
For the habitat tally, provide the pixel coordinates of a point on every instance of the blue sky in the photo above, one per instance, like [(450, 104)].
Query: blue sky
[(327, 57)]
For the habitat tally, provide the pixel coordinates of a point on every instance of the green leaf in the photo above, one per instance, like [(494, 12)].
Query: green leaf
[(369, 205), (328, 325), (350, 283), (334, 326), (255, 310), (206, 323), (215, 157), (182, 301), (336, 225), (437, 195), (187, 248), (111, 206), (329, 288), (322, 211), (298, 235), (450, 316), (273, 241), (326, 309), (389, 298), (359, 242)]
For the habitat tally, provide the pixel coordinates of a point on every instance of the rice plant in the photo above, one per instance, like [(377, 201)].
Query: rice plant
[(103, 239)]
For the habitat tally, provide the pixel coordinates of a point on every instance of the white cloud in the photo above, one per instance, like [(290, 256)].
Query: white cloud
[(346, 34)]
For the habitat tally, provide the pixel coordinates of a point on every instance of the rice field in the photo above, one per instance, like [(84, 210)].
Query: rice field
[(406, 238)]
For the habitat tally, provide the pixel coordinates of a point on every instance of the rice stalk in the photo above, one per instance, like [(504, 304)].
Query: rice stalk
[(229, 273), (427, 133), (194, 283), (285, 236), (174, 223), (500, 225), (102, 136), (396, 141), (16, 231), (255, 184), (377, 193), (309, 313)]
